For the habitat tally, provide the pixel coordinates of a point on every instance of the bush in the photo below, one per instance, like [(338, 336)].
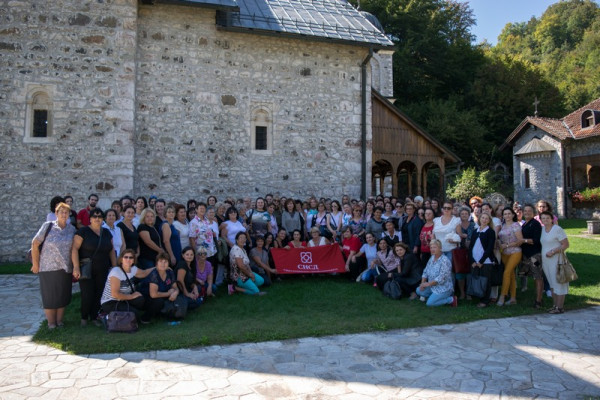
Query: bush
[(589, 194), (471, 183)]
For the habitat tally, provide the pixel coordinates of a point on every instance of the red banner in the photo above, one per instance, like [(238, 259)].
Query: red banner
[(311, 260)]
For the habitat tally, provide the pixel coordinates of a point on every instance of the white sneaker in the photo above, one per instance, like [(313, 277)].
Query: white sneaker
[(422, 298), (358, 278)]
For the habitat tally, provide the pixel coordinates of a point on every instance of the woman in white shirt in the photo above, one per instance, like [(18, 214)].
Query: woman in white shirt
[(444, 230)]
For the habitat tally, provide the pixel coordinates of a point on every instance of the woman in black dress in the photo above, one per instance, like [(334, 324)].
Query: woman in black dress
[(95, 243)]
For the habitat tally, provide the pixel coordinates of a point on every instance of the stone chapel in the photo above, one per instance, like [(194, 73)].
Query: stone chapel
[(181, 98)]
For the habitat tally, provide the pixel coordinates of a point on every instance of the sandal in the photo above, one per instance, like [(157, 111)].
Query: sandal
[(511, 302), (557, 311), (551, 308)]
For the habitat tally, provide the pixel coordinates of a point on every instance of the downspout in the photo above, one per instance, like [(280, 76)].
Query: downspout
[(363, 120), (564, 176)]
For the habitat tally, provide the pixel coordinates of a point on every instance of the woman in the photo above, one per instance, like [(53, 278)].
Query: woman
[(53, 264), (170, 235), (319, 220), (436, 283), (130, 233), (309, 212), (259, 261), (510, 238), (386, 262), (140, 205), (230, 228), (409, 271), (118, 295), (316, 238), (544, 205), (357, 223), (258, 220), (116, 232), (435, 206), (425, 236), (221, 209), (444, 229), (388, 211), (481, 253), (201, 233), (240, 270), (191, 214), (532, 251), (182, 226), (411, 228), (92, 243), (159, 287), (296, 241), (464, 230), (205, 276), (269, 241), (149, 239), (334, 220), (73, 216), (369, 251), (290, 218), (375, 224), (273, 224), (390, 234), (211, 201), (281, 240), (186, 277), (554, 241), (350, 247), (53, 203)]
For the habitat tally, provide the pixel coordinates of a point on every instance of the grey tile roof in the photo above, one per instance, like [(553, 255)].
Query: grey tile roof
[(323, 19), (218, 4)]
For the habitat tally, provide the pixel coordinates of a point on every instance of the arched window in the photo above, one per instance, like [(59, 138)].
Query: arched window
[(527, 181), (39, 118), (261, 131)]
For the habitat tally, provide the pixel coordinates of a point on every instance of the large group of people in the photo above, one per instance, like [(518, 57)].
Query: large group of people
[(143, 253)]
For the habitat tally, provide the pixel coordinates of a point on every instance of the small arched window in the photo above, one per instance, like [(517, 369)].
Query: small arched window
[(261, 131), (527, 179), (39, 118)]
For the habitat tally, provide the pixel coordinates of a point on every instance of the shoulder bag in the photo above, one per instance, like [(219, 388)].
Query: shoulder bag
[(476, 283), (392, 289), (41, 244), (85, 264), (565, 272), (122, 321)]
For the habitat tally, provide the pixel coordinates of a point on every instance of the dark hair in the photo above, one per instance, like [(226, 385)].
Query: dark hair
[(201, 204), (97, 211), (531, 206), (143, 198), (189, 202), (93, 195), (126, 251), (259, 237), (514, 214), (294, 231), (193, 263), (161, 200), (127, 208), (487, 204), (548, 213), (264, 203), (238, 235), (401, 244), (378, 209), (267, 235), (68, 197), (163, 256), (54, 202), (232, 210), (179, 207), (112, 210), (116, 202), (211, 197)]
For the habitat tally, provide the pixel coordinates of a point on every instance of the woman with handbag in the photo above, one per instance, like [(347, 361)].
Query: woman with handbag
[(554, 243), (482, 259), (51, 261), (119, 292), (92, 255)]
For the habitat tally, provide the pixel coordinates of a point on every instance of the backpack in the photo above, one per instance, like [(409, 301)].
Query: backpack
[(392, 289)]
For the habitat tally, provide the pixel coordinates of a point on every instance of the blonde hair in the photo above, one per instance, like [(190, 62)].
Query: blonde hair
[(143, 215), (60, 206), (491, 223)]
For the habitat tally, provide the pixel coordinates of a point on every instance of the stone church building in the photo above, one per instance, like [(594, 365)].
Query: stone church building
[(181, 98), (554, 156)]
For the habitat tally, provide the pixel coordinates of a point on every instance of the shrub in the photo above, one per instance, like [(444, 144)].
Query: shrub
[(471, 182), (589, 194)]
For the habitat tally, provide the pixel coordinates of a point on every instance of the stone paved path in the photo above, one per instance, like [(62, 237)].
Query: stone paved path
[(544, 356)]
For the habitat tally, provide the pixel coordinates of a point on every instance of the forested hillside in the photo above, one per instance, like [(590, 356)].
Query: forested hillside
[(472, 96)]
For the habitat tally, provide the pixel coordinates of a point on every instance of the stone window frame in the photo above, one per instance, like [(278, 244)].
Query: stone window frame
[(36, 92), (261, 116), (526, 179), (588, 119)]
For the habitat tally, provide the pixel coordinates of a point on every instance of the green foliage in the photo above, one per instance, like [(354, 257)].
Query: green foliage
[(471, 182), (589, 194)]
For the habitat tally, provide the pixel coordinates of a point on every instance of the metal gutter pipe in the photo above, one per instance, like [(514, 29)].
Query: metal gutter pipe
[(363, 117)]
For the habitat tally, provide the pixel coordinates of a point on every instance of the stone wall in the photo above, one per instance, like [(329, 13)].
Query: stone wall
[(83, 54), (545, 169), (198, 89)]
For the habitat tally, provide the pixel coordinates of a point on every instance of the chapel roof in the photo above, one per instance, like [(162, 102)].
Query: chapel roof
[(331, 20), (568, 127), (535, 145)]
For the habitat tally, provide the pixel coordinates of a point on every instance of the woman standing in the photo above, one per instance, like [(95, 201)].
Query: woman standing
[(425, 236), (357, 223), (465, 229), (334, 220), (116, 232), (444, 229), (231, 227), (92, 243), (182, 226), (201, 233), (350, 247), (170, 235), (290, 218), (53, 264), (411, 228), (130, 234), (140, 205), (375, 224), (481, 253), (532, 251), (149, 239), (241, 273), (554, 241), (510, 237), (436, 283)]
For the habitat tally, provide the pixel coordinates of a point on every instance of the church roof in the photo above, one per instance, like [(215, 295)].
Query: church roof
[(568, 127), (218, 4), (535, 145), (331, 20)]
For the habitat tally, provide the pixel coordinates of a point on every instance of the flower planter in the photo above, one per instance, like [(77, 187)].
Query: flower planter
[(594, 227)]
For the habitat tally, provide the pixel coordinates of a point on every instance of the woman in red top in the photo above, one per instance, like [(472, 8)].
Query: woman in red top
[(296, 241), (350, 247), (426, 236)]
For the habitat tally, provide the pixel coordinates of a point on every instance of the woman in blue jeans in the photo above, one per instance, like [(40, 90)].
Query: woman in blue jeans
[(241, 274), (437, 284)]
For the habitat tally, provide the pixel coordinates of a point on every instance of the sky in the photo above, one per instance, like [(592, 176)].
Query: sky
[(493, 15)]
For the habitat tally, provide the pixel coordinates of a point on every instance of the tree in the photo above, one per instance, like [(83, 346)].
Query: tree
[(471, 183)]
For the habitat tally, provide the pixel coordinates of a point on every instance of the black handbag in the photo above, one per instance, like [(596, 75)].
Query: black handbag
[(392, 289), (175, 309), (85, 264), (121, 321), (497, 274), (476, 284)]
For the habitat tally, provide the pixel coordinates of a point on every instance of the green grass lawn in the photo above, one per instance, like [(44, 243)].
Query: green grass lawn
[(313, 306)]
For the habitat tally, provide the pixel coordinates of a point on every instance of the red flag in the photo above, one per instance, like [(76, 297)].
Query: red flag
[(310, 260)]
